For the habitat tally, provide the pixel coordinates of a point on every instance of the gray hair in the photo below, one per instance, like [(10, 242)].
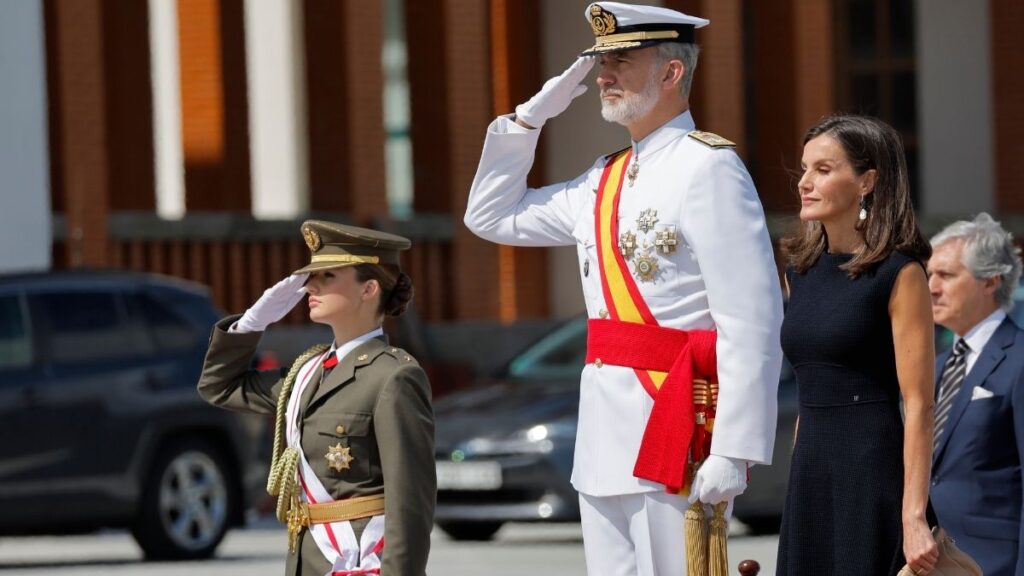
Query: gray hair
[(685, 52), (988, 251)]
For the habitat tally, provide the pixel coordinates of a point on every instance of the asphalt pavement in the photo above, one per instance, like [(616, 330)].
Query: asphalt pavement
[(260, 549)]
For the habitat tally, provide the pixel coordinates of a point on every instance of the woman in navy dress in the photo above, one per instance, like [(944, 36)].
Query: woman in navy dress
[(858, 331)]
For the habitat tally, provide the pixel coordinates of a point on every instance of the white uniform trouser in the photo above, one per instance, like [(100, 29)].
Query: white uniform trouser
[(634, 534)]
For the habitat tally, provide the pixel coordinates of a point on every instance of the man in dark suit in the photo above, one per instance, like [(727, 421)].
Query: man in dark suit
[(979, 405)]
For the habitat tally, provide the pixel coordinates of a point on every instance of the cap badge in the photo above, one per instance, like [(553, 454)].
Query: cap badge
[(338, 457), (312, 238), (602, 21)]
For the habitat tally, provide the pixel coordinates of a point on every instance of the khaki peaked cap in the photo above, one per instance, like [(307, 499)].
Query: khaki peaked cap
[(334, 245)]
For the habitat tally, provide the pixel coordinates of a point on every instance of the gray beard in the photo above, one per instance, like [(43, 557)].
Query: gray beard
[(632, 107)]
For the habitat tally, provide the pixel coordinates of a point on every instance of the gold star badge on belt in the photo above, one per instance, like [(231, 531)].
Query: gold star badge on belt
[(339, 457)]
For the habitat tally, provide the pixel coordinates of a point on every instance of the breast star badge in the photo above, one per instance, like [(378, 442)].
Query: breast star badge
[(665, 240), (645, 223), (627, 244), (339, 457), (646, 267)]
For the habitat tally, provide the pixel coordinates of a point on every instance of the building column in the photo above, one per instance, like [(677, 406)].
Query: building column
[(469, 110), (814, 55), (25, 235), (720, 72), (343, 41), (214, 105), (80, 155), (169, 164), (277, 119), (956, 109), (1007, 94)]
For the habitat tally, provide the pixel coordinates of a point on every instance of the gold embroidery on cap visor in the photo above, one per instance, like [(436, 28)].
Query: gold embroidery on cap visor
[(628, 40), (602, 21), (344, 259), (312, 238)]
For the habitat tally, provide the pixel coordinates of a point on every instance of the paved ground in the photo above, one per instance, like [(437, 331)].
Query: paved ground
[(518, 549)]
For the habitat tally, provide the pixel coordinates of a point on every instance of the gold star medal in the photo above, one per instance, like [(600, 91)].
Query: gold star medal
[(339, 457)]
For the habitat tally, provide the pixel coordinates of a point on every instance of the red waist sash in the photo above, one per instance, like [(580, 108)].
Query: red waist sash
[(672, 427)]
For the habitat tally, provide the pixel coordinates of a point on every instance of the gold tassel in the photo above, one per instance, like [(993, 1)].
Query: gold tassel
[(696, 541), (718, 542)]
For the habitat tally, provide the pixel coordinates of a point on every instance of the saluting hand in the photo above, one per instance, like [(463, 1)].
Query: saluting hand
[(273, 305), (556, 94)]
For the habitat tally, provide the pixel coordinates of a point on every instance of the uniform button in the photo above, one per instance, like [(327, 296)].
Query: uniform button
[(340, 429), (598, 363), (603, 313)]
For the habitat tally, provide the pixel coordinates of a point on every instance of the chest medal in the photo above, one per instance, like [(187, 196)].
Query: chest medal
[(339, 457)]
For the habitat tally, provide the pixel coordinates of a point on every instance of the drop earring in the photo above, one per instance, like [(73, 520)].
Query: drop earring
[(863, 209)]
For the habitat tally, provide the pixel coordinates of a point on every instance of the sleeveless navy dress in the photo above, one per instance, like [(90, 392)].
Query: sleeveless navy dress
[(843, 513)]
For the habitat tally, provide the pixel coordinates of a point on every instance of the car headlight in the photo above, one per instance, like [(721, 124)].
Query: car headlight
[(539, 439)]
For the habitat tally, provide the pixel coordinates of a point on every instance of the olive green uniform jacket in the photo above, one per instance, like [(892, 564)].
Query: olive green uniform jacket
[(376, 401)]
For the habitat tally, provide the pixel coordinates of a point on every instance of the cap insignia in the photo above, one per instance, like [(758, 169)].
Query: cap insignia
[(602, 21), (312, 238)]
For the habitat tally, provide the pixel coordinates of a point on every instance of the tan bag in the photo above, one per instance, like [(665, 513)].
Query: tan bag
[(952, 560)]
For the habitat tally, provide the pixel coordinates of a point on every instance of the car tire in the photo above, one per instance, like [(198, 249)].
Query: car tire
[(471, 531), (187, 503)]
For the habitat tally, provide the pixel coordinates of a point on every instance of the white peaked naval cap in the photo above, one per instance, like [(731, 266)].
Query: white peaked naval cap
[(619, 26)]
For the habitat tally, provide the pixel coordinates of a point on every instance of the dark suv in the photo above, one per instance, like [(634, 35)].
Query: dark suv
[(100, 420)]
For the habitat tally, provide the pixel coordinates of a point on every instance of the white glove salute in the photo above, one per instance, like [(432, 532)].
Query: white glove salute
[(273, 305), (719, 479), (556, 94)]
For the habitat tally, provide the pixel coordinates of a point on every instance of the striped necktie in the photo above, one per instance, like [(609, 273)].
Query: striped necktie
[(953, 373)]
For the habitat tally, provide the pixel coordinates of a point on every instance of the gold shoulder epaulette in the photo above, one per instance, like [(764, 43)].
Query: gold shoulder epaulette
[(711, 139), (616, 153)]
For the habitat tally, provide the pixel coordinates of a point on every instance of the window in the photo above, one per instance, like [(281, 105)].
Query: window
[(559, 355), (15, 336), (169, 331), (88, 327), (877, 67)]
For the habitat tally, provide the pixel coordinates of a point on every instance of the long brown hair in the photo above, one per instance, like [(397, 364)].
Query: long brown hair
[(869, 144)]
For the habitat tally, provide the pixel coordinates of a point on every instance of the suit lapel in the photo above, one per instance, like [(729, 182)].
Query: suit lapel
[(990, 357), (346, 368)]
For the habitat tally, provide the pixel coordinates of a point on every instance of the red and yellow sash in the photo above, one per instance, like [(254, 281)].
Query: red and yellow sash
[(666, 361), (620, 291)]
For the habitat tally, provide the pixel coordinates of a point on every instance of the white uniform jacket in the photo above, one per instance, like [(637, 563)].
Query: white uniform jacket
[(721, 275)]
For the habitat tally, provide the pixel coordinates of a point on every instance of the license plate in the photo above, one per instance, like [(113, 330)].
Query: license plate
[(468, 476)]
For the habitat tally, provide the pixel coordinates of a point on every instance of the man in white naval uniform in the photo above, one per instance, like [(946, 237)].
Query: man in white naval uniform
[(693, 242)]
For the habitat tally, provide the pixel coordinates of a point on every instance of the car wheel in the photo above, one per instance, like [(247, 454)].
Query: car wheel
[(187, 503), (474, 531)]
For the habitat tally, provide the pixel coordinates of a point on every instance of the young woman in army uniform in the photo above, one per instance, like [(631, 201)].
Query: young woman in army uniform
[(353, 462)]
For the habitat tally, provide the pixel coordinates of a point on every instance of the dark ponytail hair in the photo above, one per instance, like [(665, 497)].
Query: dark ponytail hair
[(396, 290)]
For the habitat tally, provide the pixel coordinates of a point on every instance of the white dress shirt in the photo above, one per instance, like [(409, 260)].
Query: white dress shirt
[(978, 336), (722, 275)]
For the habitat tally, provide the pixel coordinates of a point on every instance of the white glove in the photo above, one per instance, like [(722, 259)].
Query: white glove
[(273, 305), (720, 478), (556, 94)]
